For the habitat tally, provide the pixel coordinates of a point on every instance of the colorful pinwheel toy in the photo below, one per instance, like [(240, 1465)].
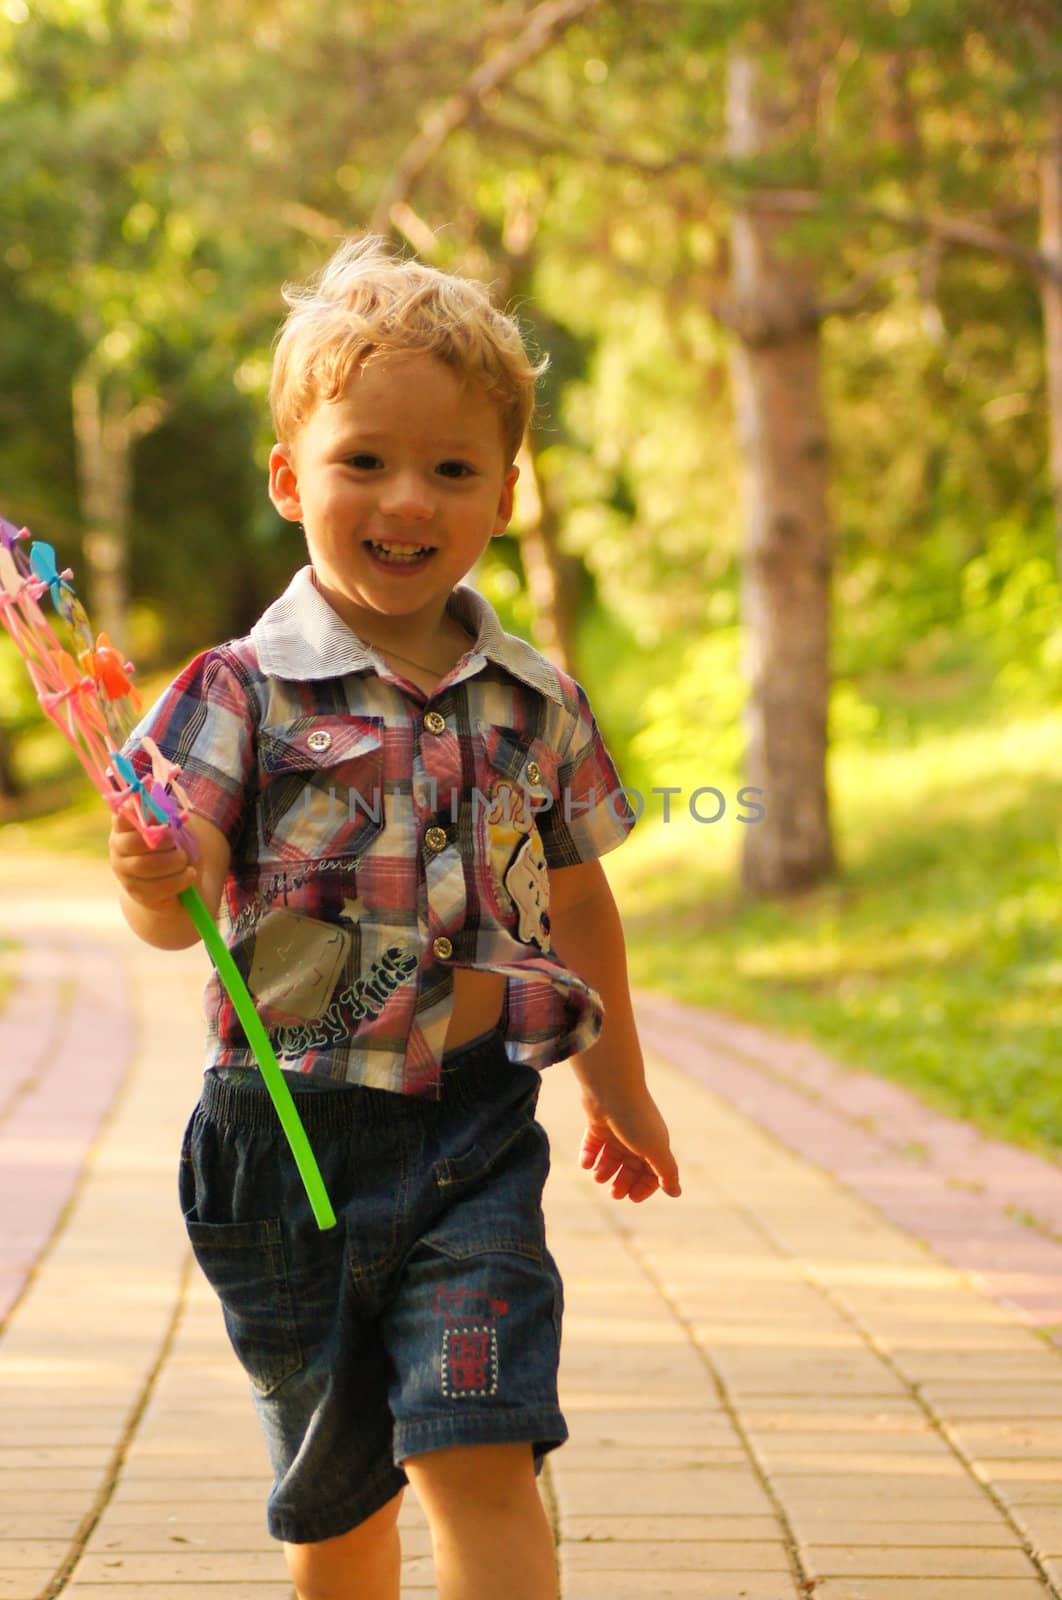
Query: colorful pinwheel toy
[(84, 688)]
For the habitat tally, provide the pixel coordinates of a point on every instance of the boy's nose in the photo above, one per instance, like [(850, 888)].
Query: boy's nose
[(406, 496)]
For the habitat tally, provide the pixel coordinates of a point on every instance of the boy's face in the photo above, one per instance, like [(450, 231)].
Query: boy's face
[(409, 456)]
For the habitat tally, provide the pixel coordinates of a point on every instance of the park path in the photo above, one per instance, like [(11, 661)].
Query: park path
[(831, 1369)]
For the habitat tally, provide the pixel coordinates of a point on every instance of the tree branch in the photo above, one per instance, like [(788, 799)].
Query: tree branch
[(312, 222), (855, 293), (543, 25), (552, 144), (968, 233), (148, 414)]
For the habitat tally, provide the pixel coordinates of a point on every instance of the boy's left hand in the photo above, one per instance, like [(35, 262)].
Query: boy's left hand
[(630, 1146)]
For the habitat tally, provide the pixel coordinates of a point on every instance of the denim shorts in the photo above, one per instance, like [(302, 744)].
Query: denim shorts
[(429, 1316)]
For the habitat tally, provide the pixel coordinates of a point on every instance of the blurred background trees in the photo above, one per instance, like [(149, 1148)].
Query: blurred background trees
[(797, 263)]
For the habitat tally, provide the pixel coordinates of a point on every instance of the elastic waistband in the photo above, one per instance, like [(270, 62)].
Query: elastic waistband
[(466, 1072)]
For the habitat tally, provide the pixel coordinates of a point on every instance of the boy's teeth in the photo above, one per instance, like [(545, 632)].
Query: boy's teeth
[(400, 552)]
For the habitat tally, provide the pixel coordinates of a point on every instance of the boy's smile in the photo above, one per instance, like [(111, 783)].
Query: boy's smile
[(400, 485)]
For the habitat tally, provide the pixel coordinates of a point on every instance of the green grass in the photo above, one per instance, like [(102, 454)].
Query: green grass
[(934, 958)]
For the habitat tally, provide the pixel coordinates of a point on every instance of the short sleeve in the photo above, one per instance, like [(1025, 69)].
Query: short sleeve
[(590, 814), (204, 723)]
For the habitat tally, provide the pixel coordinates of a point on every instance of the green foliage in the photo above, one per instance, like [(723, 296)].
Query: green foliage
[(1012, 607)]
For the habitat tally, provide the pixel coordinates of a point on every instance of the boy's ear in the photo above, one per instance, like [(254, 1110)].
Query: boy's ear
[(283, 484), (505, 503)]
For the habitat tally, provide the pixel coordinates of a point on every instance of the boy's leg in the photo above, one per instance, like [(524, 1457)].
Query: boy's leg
[(365, 1561), (490, 1534)]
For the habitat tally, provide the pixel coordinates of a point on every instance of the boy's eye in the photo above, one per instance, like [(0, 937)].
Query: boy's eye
[(363, 461)]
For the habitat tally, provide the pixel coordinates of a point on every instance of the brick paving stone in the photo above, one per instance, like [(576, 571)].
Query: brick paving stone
[(816, 1531), (183, 1566), (722, 1492), (895, 1505), (196, 1489), (753, 1557), (229, 1535), (40, 1555), (654, 1458), (37, 1524), (665, 1585), (1010, 1471), (897, 1561), (1019, 1438), (849, 1447), (23, 1458), (929, 1589), (965, 1401), (20, 1502), (720, 1530), (258, 1589)]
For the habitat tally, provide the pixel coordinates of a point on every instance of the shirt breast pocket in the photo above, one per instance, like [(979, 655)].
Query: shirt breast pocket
[(321, 788)]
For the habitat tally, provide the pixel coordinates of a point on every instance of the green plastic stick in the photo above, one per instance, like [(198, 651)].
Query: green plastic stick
[(290, 1121)]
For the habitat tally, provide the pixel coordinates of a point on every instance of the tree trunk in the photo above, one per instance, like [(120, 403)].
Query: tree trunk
[(1051, 293), (786, 560), (549, 572), (106, 430), (552, 576), (104, 460)]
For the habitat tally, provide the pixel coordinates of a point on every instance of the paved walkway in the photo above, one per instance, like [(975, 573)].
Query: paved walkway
[(831, 1369)]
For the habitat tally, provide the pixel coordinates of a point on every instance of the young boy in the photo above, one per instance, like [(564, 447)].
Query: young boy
[(398, 809)]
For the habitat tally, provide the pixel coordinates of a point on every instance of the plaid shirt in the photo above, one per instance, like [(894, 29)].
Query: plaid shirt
[(382, 837)]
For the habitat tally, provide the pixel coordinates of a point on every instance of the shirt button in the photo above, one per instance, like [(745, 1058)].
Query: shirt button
[(434, 722), (534, 771), (436, 839), (320, 740), (443, 948)]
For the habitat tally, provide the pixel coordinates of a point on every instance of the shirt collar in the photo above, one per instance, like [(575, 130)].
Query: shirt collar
[(300, 637)]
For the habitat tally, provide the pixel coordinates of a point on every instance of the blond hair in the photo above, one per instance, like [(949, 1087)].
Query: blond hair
[(366, 302)]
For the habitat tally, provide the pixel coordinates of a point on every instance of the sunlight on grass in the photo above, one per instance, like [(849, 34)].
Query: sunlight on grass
[(934, 955), (80, 829)]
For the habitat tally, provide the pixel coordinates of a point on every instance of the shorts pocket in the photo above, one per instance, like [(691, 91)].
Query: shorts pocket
[(476, 1159), (491, 1192), (245, 1266)]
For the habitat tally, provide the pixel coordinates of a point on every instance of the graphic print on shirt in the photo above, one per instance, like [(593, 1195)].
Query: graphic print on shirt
[(518, 860), (363, 999)]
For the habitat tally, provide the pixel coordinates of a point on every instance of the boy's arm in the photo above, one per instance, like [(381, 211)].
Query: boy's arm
[(149, 881), (627, 1135), (587, 934)]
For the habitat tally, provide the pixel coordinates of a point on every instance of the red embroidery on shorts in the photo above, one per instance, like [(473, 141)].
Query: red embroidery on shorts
[(465, 1304), (470, 1340), (469, 1362)]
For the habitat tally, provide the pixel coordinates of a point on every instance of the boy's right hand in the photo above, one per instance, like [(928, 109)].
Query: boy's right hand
[(151, 878)]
